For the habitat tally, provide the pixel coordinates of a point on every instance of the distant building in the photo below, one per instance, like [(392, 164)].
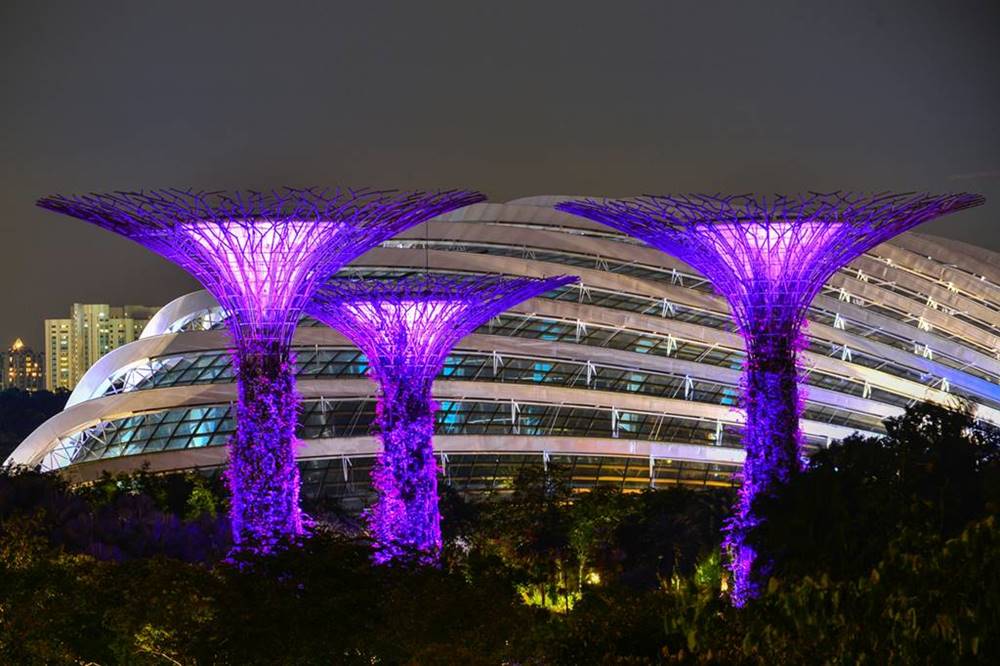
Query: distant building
[(92, 330), (21, 368), (57, 354)]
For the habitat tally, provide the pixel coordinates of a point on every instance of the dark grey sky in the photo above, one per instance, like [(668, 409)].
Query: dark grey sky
[(513, 98)]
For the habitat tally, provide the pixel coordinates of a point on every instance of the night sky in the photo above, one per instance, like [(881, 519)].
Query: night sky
[(512, 98)]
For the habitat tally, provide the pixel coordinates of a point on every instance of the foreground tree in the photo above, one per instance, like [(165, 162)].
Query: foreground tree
[(68, 595), (928, 600), (23, 411), (936, 470)]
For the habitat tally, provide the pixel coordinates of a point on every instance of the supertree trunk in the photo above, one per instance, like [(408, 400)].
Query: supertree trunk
[(405, 520), (772, 439), (263, 477)]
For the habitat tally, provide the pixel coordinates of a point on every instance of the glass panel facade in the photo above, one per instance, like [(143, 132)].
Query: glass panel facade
[(346, 480), (212, 425)]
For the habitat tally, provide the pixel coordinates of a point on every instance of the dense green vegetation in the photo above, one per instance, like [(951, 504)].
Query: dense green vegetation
[(23, 411), (886, 552)]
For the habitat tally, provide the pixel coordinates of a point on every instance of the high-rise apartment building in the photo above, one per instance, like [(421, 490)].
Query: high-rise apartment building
[(21, 368), (57, 354), (92, 330)]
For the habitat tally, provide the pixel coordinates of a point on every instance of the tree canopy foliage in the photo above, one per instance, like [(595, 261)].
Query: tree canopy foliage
[(935, 471)]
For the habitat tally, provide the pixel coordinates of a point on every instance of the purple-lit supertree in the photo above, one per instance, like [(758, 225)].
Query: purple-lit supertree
[(768, 257), (406, 327), (262, 255)]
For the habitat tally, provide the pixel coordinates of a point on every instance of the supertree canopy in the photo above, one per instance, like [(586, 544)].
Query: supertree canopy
[(262, 255), (768, 257), (406, 327)]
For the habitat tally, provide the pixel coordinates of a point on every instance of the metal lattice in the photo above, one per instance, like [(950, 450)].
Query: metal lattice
[(261, 254), (409, 324), (769, 256)]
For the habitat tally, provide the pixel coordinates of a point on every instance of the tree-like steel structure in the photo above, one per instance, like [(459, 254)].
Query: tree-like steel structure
[(768, 257), (262, 255), (406, 327)]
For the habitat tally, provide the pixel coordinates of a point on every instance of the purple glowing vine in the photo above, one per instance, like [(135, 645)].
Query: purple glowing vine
[(261, 255), (768, 258), (264, 489), (406, 327)]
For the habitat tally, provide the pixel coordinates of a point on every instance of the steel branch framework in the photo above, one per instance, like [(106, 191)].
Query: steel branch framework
[(406, 327), (768, 257), (262, 255)]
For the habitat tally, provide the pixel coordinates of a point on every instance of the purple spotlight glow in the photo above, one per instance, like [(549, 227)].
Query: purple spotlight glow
[(261, 255), (406, 327), (768, 258)]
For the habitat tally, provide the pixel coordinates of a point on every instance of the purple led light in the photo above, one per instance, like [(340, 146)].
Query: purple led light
[(260, 259), (768, 258), (264, 489), (261, 255), (406, 327)]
